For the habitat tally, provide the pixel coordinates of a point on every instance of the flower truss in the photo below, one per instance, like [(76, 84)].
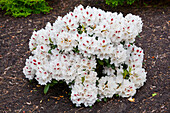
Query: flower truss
[(93, 51)]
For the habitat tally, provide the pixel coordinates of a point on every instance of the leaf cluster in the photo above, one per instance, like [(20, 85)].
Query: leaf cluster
[(23, 8), (46, 88), (115, 3), (52, 46), (106, 62), (126, 73)]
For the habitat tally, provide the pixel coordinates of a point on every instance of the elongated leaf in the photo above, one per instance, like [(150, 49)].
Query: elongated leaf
[(55, 81), (82, 79), (138, 36), (46, 88), (154, 94), (50, 40)]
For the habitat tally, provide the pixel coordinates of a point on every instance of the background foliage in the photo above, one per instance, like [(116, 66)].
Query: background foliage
[(19, 8), (115, 3)]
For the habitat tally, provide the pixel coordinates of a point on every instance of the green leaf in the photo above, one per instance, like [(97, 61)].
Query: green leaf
[(145, 4), (125, 74), (106, 83), (69, 93), (97, 83), (154, 94), (75, 49), (98, 100), (61, 82), (34, 48), (108, 65), (50, 40), (54, 81), (90, 106), (113, 66), (83, 27), (138, 36), (91, 27), (91, 35), (116, 95), (46, 88), (96, 38), (131, 44), (82, 79), (105, 99), (53, 46), (49, 51), (106, 60), (52, 84), (80, 32), (130, 70), (61, 51), (123, 42), (100, 62)]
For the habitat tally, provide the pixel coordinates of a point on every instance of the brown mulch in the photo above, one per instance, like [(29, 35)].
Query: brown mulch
[(17, 94)]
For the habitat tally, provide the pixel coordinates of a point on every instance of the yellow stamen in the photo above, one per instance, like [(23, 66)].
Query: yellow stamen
[(67, 27)]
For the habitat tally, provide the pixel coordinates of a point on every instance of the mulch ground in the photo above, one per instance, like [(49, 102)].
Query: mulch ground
[(17, 94)]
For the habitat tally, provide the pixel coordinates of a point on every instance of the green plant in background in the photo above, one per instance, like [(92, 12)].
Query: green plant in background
[(115, 3), (19, 8)]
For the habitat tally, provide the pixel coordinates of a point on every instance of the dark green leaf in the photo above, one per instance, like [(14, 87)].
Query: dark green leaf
[(113, 66), (54, 81), (107, 61), (50, 51), (116, 95), (97, 82), (123, 42), (52, 84), (75, 49), (61, 82), (100, 62), (108, 65), (96, 38), (98, 95)]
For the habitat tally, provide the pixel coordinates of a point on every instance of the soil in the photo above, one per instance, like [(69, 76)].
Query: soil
[(17, 94)]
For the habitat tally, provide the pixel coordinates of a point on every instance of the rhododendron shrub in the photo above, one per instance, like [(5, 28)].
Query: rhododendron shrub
[(93, 51)]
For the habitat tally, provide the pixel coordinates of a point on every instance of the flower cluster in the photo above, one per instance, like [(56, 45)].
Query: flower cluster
[(92, 50)]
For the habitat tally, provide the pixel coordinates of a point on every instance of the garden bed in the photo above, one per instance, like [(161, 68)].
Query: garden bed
[(17, 94)]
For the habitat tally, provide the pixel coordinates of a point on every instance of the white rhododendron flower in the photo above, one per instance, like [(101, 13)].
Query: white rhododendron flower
[(86, 95), (126, 89), (93, 51), (107, 87)]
